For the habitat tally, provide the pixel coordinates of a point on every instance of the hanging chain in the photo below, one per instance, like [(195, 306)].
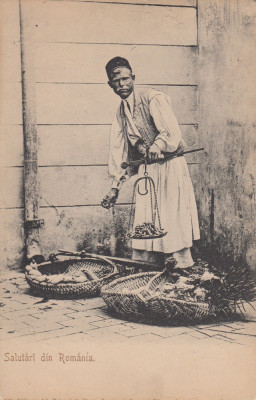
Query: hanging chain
[(151, 203), (132, 206), (156, 205), (153, 198)]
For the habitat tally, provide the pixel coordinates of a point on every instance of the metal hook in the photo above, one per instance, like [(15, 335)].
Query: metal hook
[(146, 187), (145, 175)]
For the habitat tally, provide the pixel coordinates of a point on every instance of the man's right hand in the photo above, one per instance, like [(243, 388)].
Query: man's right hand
[(141, 147), (110, 199)]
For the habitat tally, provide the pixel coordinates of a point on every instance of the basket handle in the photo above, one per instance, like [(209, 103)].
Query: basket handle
[(151, 281), (145, 293)]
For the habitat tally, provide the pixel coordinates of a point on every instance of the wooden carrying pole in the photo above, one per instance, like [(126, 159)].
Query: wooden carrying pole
[(31, 184)]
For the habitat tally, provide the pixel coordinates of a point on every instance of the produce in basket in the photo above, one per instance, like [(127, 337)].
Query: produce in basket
[(191, 294), (80, 276), (71, 277), (76, 276), (224, 288), (147, 229)]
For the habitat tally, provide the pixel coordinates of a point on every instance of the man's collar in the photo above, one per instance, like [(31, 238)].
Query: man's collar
[(130, 101), (136, 100)]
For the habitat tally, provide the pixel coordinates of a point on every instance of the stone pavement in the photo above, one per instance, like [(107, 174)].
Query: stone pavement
[(32, 319)]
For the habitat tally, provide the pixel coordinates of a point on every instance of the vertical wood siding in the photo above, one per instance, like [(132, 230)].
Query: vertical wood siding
[(11, 138)]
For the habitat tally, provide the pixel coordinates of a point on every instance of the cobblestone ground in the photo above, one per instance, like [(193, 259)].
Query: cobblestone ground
[(33, 319)]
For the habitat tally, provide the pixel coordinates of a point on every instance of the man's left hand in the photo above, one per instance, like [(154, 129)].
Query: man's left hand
[(154, 153), (110, 199)]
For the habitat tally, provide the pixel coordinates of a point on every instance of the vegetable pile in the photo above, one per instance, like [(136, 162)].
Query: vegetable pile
[(79, 276), (224, 290), (146, 230)]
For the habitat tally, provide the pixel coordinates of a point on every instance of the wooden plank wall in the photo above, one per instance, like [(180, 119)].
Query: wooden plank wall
[(11, 138), (75, 107)]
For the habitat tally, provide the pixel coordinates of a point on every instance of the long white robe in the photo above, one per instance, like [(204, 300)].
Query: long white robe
[(176, 203), (175, 194)]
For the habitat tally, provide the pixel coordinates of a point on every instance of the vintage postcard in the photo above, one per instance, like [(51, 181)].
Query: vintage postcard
[(127, 206)]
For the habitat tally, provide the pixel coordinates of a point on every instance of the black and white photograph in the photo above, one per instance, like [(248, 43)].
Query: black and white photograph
[(127, 205)]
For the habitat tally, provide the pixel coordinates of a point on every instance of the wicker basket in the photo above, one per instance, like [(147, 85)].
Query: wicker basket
[(130, 298), (91, 267)]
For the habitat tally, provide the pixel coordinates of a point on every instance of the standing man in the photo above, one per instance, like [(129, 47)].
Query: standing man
[(145, 120)]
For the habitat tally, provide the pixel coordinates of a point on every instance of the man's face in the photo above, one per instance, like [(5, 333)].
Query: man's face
[(122, 82)]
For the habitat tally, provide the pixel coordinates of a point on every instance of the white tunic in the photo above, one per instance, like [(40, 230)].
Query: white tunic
[(175, 194)]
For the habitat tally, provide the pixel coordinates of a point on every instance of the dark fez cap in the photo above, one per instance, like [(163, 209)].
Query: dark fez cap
[(115, 63)]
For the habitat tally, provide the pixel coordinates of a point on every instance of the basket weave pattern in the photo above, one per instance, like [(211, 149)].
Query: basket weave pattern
[(124, 300), (90, 288)]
